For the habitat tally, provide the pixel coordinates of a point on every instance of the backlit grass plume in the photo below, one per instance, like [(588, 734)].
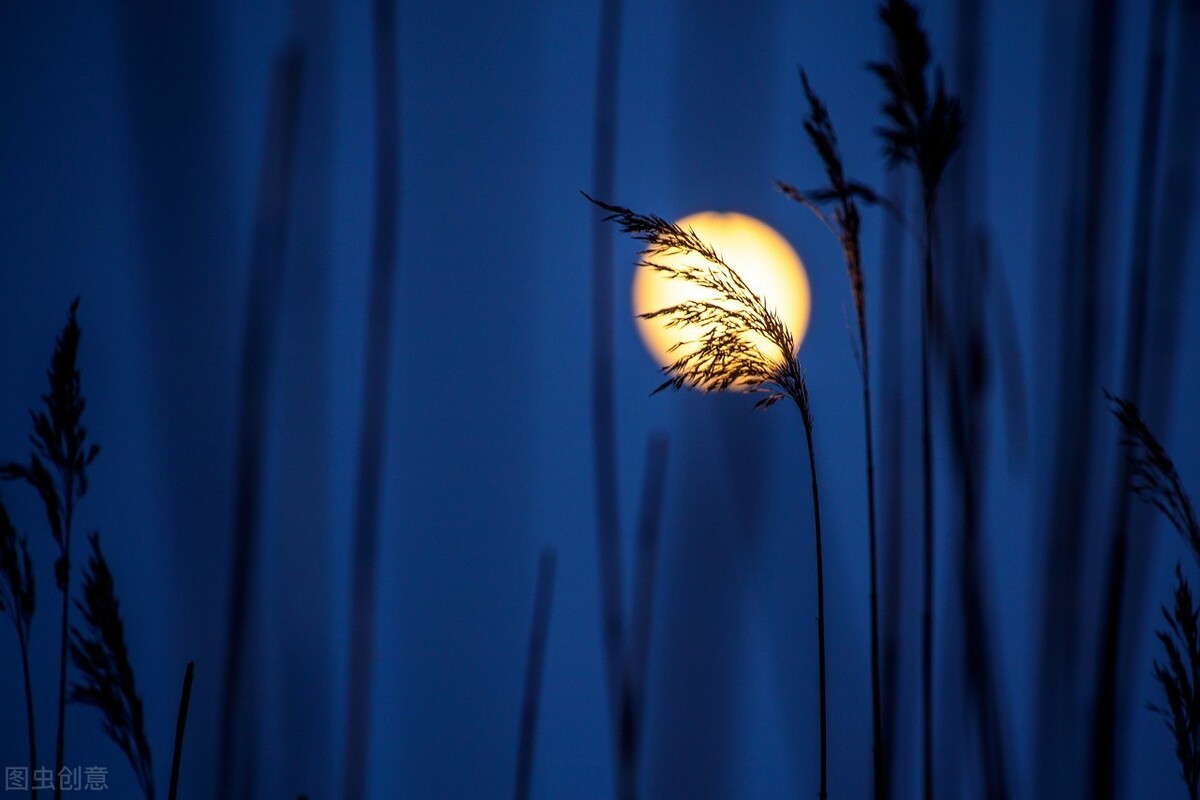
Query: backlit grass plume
[(106, 675), (729, 354), (1178, 677), (924, 129), (57, 471), (17, 599), (844, 222)]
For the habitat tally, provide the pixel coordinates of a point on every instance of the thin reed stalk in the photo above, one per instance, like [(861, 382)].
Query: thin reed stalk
[(726, 357), (372, 435), (543, 601), (266, 276), (845, 224), (925, 128), (185, 699)]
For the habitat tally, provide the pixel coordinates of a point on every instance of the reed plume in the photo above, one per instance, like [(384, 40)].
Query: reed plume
[(726, 356), (57, 471), (102, 659), (1178, 676), (17, 600), (844, 223), (924, 130), (1154, 479)]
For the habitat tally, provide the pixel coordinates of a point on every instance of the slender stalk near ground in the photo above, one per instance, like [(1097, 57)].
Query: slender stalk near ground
[(845, 223), (185, 699), (924, 129), (372, 435), (726, 357), (543, 601)]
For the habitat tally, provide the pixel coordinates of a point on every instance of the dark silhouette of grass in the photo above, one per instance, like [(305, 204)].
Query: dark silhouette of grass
[(185, 699), (1104, 746), (543, 601), (266, 275), (724, 358), (1178, 678), (57, 470), (384, 248), (107, 682), (1154, 479), (17, 600), (924, 129), (845, 224)]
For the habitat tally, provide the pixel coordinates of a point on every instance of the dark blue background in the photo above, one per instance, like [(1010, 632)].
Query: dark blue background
[(130, 141)]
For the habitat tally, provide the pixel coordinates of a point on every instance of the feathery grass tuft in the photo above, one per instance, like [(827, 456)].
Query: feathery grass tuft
[(725, 356), (1178, 678), (99, 653), (1153, 476)]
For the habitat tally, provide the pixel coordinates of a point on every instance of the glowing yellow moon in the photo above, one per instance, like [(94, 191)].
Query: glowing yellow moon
[(763, 259)]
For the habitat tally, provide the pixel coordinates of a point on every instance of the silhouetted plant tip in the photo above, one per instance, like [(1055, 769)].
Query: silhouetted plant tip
[(107, 683), (922, 132), (1178, 676), (1152, 473)]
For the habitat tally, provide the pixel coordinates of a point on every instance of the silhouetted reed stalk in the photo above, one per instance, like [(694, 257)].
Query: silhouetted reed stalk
[(266, 282), (185, 699), (604, 448), (375, 383), (1104, 750), (924, 130), (17, 598), (57, 470), (1154, 479), (726, 357), (543, 601), (844, 225), (102, 659)]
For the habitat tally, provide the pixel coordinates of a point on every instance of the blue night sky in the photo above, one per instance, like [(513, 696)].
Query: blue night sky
[(131, 148)]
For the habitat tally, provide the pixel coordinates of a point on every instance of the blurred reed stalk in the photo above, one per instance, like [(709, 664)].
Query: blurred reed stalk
[(17, 600), (107, 682), (372, 435), (543, 600), (604, 446), (266, 282), (924, 130), (844, 225), (57, 470), (1105, 753), (725, 357), (185, 699)]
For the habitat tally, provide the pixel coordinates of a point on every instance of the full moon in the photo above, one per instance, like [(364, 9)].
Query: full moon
[(753, 249)]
